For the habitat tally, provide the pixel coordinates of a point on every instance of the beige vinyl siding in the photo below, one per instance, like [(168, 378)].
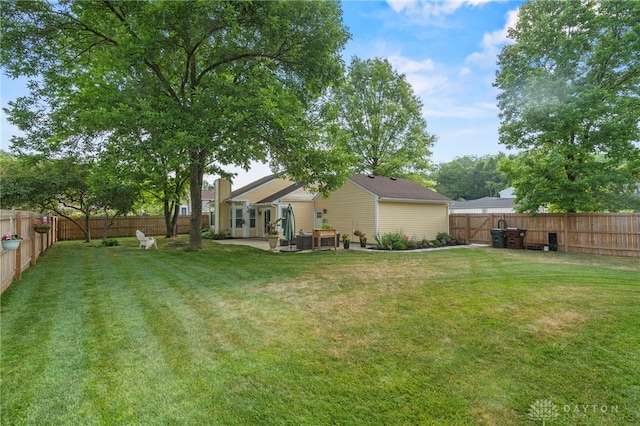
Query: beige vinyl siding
[(348, 208), (303, 212), (265, 190), (417, 220)]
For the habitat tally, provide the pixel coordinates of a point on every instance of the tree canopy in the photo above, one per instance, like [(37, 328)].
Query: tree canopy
[(70, 187), (470, 178), (570, 100), (226, 82), (378, 121)]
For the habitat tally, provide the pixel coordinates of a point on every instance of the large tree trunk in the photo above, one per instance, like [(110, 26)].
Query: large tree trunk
[(167, 219), (174, 219), (196, 175), (87, 227)]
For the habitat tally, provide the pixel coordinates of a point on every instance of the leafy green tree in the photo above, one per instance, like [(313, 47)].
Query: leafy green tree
[(470, 177), (377, 119), (70, 187), (226, 82), (570, 99)]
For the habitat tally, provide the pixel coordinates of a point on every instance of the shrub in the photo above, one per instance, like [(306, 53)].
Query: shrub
[(394, 241), (210, 235), (110, 242), (446, 239), (400, 241)]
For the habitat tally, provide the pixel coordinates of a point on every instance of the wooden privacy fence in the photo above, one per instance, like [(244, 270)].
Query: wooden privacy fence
[(596, 233), (126, 226), (33, 244)]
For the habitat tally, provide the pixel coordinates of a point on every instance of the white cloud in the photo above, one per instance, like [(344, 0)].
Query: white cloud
[(421, 75), (405, 65), (427, 8), (492, 43), (442, 108), (441, 90), (464, 71)]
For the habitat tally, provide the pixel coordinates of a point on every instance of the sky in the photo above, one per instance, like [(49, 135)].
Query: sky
[(447, 51)]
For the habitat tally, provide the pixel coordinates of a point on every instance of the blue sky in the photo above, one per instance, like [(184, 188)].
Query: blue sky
[(446, 49)]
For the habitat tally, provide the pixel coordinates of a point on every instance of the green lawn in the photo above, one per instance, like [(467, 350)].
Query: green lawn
[(233, 335)]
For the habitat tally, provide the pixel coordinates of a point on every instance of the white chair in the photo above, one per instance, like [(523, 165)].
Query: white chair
[(146, 242)]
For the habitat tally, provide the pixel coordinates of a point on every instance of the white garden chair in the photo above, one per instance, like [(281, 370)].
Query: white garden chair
[(146, 242)]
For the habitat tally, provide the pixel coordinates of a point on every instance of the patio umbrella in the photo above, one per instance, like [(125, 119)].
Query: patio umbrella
[(289, 227)]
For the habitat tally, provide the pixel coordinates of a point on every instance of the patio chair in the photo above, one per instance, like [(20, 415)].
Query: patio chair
[(146, 242)]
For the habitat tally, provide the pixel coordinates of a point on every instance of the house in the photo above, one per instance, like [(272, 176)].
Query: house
[(371, 204), (484, 205), (208, 197)]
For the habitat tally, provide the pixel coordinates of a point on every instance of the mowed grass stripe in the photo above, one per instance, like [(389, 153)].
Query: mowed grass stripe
[(232, 335)]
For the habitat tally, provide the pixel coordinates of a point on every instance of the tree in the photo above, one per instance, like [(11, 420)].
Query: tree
[(470, 177), (71, 188), (378, 120), (227, 82), (570, 98)]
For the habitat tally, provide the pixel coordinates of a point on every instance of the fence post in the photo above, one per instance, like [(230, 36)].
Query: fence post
[(566, 232), (467, 229), (18, 270), (32, 233)]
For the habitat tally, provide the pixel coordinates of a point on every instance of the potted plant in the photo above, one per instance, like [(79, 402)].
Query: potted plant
[(10, 242), (41, 227), (346, 240), (272, 234), (362, 236)]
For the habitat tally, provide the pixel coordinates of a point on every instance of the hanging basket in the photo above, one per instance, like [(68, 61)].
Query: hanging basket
[(10, 244), (42, 229)]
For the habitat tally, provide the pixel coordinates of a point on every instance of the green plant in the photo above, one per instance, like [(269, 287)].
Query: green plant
[(345, 238), (8, 236), (272, 228), (393, 241), (41, 226), (110, 242), (326, 225), (211, 235), (446, 238)]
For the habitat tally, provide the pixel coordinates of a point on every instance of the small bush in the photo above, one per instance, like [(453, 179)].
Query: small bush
[(400, 241), (446, 239), (110, 242), (210, 235)]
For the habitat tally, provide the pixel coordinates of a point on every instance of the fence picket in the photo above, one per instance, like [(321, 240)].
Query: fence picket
[(596, 233)]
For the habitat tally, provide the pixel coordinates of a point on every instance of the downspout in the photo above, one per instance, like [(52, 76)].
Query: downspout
[(376, 219)]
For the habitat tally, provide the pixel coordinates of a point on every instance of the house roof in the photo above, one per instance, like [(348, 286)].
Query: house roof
[(252, 185), (208, 194), (396, 188), (484, 202), (283, 192)]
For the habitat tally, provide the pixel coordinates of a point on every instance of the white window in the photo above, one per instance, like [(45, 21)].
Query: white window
[(239, 218), (252, 218)]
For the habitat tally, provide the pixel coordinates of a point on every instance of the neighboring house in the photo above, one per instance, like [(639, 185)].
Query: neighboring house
[(372, 204), (502, 204), (208, 197), (484, 205)]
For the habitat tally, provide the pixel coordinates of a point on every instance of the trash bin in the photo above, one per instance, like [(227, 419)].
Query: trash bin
[(515, 238), (497, 237)]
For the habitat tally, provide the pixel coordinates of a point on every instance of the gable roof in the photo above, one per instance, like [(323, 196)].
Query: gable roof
[(484, 202), (252, 185), (276, 196), (397, 189)]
